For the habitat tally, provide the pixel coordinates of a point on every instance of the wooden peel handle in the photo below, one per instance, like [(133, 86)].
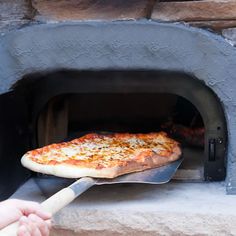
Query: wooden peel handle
[(56, 202), (62, 198)]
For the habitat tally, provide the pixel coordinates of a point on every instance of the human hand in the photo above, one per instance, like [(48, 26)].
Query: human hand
[(33, 220)]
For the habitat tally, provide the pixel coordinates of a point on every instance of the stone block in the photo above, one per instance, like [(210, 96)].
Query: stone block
[(14, 13), (92, 9), (213, 14)]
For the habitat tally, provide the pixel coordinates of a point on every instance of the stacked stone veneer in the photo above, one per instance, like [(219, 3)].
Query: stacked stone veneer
[(18, 13)]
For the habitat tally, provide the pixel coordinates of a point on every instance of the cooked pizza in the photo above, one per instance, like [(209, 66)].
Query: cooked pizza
[(103, 155)]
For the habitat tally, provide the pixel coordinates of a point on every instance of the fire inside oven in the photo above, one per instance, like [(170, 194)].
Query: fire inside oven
[(63, 105)]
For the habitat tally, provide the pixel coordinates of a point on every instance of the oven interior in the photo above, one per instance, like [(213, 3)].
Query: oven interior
[(44, 108)]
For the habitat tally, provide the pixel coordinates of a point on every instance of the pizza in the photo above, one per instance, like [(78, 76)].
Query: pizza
[(103, 155)]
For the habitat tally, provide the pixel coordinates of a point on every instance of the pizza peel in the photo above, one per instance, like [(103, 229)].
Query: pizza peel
[(160, 175)]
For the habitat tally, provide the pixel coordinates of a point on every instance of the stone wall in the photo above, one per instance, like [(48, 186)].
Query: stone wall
[(220, 18)]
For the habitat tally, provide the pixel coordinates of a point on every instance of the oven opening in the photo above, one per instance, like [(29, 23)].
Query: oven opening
[(44, 108), (68, 104), (73, 115)]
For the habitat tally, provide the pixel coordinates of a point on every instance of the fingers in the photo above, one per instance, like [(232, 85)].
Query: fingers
[(29, 207), (41, 224), (28, 227), (23, 231), (33, 226), (34, 221)]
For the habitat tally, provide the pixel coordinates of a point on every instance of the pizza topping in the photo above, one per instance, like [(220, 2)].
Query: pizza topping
[(102, 151)]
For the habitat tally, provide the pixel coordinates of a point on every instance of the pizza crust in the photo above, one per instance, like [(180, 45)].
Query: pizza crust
[(70, 171)]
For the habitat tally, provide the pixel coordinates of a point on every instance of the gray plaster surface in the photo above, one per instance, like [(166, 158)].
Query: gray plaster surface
[(230, 35), (136, 209), (127, 45)]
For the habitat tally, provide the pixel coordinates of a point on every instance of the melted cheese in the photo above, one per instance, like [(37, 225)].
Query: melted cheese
[(69, 151), (103, 150)]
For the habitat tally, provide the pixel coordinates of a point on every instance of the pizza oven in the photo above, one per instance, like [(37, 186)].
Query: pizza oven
[(60, 81)]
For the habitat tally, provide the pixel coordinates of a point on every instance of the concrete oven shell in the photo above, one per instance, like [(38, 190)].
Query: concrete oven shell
[(126, 45)]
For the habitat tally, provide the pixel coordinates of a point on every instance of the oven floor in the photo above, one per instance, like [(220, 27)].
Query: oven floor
[(175, 208), (191, 168)]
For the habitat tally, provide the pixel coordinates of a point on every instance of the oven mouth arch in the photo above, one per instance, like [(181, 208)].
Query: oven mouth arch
[(44, 87)]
